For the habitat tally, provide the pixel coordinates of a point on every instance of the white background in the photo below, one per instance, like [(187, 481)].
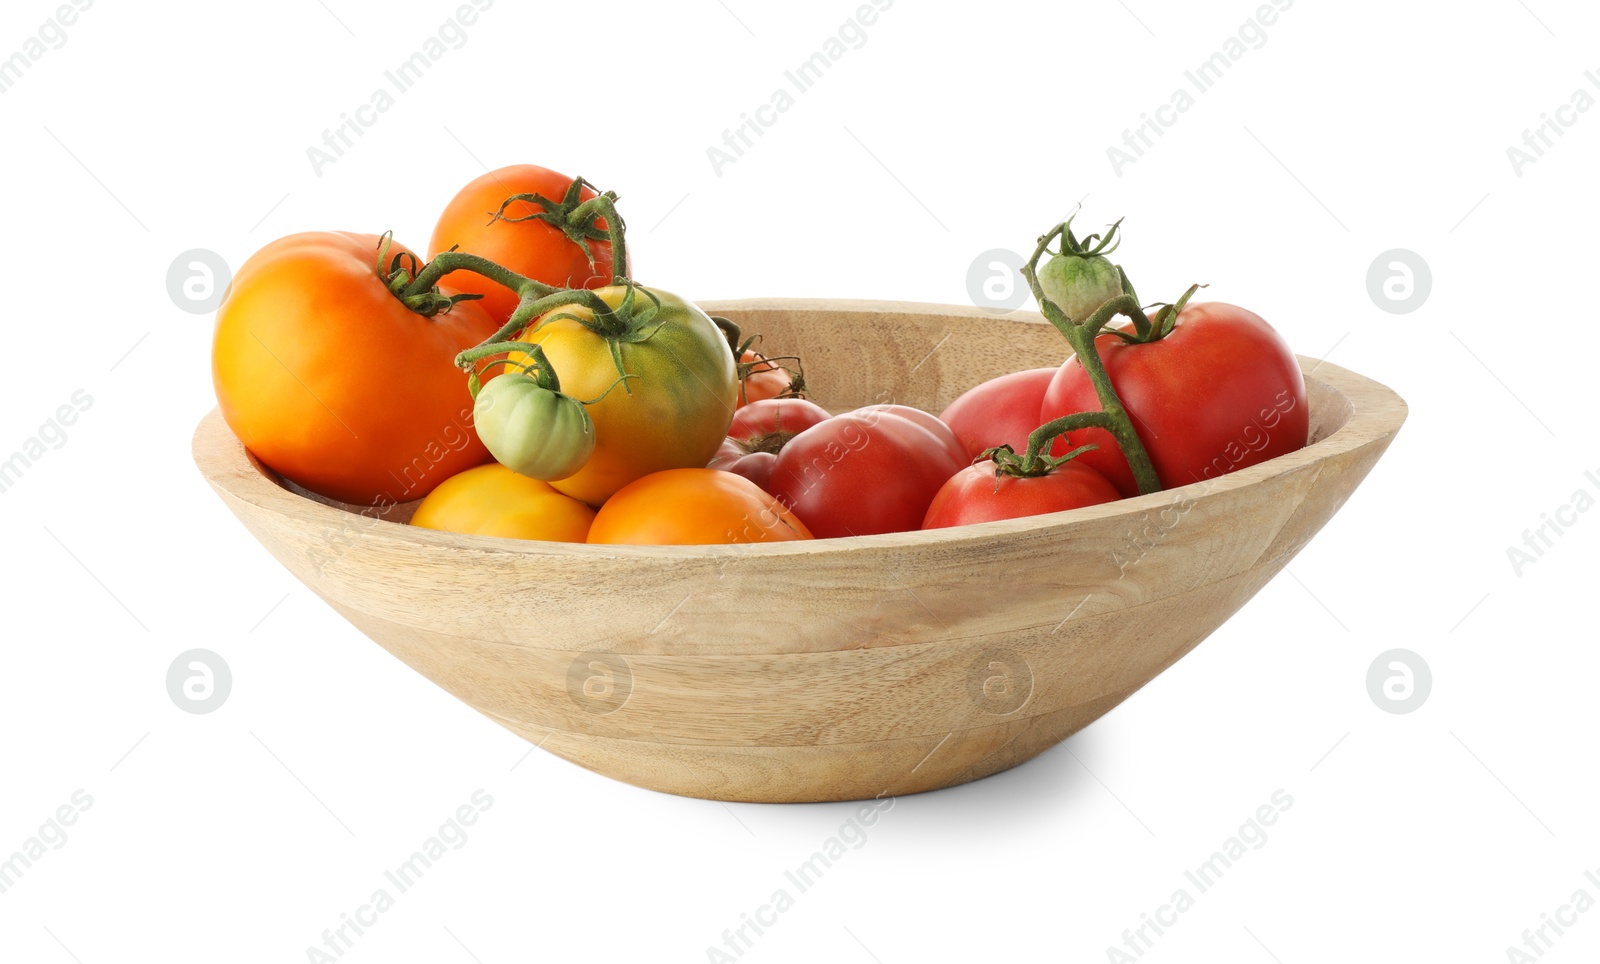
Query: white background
[(1355, 128)]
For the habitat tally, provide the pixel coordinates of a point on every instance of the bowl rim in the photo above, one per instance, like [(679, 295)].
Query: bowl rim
[(1377, 413)]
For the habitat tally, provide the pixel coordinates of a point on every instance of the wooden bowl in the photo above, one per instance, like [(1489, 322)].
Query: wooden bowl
[(837, 669)]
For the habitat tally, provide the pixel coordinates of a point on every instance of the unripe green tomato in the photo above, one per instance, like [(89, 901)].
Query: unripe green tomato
[(532, 430), (1079, 285)]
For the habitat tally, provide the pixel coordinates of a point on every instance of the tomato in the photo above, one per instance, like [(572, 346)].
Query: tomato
[(673, 414), (753, 465), (1221, 392), (532, 248), (531, 430), (936, 426), (1079, 283), (333, 382), (1001, 411), (772, 419), (492, 500), (759, 431), (762, 378), (872, 470), (977, 494), (693, 507)]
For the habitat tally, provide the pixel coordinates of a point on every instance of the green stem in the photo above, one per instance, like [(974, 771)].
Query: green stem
[(1121, 423), (1113, 416), (1051, 311), (605, 205), (449, 261), (1041, 438)]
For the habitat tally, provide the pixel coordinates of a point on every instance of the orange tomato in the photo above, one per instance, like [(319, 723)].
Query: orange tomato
[(694, 507), (492, 500), (333, 382), (531, 248), (765, 379)]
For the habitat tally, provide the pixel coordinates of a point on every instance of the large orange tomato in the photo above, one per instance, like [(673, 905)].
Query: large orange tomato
[(326, 376), (532, 248), (694, 507), (671, 413)]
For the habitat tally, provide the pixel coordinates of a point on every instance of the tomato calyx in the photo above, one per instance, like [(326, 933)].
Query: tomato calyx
[(401, 273), (578, 220), (1032, 463), (771, 442)]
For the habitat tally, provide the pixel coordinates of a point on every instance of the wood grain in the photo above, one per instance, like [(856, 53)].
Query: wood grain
[(841, 668)]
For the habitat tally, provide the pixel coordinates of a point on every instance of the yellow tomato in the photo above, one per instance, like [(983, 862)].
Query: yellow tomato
[(673, 414), (492, 500)]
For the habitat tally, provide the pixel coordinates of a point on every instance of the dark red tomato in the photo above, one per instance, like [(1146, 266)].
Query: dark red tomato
[(872, 470), (776, 416), (975, 495), (759, 431), (1221, 392), (755, 466), (1001, 411)]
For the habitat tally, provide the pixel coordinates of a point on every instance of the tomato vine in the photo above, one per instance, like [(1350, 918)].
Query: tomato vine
[(1081, 334)]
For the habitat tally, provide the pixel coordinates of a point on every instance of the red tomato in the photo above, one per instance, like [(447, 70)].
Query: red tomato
[(759, 431), (1001, 411), (532, 248), (975, 494), (1221, 392), (755, 466), (946, 437), (871, 470), (775, 416)]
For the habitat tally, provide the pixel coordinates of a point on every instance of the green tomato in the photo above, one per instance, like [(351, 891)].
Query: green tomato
[(1079, 285), (531, 430)]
